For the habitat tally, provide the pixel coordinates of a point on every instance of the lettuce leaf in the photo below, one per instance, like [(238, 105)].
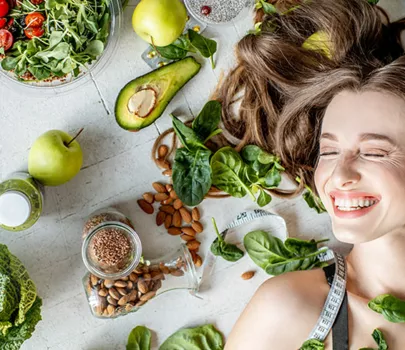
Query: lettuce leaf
[(17, 335)]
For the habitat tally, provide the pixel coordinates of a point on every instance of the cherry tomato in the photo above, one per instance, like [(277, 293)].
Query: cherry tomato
[(32, 32), (34, 19), (6, 39), (3, 22), (37, 2), (4, 7)]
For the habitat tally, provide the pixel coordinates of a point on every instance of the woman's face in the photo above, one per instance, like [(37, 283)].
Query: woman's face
[(360, 175)]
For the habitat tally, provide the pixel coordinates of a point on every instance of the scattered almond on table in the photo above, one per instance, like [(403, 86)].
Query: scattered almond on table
[(176, 218), (248, 275)]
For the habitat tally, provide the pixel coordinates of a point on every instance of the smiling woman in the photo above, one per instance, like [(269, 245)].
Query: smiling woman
[(337, 121)]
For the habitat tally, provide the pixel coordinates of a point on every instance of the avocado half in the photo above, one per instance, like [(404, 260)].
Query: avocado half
[(163, 82)]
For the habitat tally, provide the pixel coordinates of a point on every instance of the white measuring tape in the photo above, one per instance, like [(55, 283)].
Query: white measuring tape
[(333, 301)]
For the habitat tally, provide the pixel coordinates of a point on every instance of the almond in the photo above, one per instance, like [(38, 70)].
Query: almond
[(108, 283), (159, 187), (140, 303), (148, 296), (113, 292), (142, 287), (145, 206), (169, 188), (111, 300), (160, 218), (168, 209), (173, 194), (197, 226), (177, 204), (168, 221), (175, 272), (185, 214), (247, 275), (176, 219), (122, 291), (94, 280), (174, 231), (195, 213), (188, 231), (103, 292), (163, 150), (133, 277), (168, 172), (148, 197), (167, 201), (186, 238), (193, 245), (120, 284), (123, 300), (198, 261), (164, 164), (214, 189), (161, 196)]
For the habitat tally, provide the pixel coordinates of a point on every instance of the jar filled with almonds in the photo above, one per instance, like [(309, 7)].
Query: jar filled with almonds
[(111, 298)]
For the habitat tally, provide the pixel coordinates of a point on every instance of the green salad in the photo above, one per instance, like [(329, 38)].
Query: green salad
[(20, 307), (54, 38)]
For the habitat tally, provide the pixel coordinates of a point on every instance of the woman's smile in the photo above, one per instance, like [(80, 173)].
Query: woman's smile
[(350, 205)]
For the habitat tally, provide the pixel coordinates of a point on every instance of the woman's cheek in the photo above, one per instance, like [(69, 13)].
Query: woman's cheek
[(320, 177)]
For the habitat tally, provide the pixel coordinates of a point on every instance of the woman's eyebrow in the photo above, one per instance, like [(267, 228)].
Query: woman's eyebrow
[(363, 137)]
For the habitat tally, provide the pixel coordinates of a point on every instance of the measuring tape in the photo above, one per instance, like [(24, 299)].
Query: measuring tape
[(333, 301)]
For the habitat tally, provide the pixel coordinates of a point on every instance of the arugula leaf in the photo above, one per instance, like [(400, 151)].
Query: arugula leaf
[(313, 344), (139, 339), (270, 253), (392, 308), (201, 338), (228, 251), (206, 47), (191, 175)]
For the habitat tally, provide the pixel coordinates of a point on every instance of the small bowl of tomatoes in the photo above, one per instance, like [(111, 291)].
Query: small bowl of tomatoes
[(54, 44)]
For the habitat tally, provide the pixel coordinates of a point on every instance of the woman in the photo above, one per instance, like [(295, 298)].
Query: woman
[(336, 116)]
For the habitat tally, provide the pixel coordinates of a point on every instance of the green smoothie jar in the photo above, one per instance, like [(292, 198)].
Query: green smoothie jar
[(21, 201)]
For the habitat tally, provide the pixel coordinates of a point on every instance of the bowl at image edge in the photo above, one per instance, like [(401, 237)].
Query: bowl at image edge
[(69, 83)]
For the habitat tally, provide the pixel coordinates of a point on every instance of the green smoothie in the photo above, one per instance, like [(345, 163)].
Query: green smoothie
[(21, 202)]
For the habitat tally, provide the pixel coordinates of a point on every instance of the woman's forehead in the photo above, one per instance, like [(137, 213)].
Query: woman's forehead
[(351, 114)]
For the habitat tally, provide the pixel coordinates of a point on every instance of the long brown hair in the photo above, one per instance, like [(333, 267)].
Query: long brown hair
[(284, 89)]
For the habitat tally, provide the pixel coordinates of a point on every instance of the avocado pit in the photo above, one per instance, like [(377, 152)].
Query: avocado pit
[(142, 102)]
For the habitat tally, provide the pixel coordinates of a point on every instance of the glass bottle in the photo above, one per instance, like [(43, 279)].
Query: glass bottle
[(21, 202)]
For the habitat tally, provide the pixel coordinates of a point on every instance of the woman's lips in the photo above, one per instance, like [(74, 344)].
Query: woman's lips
[(352, 214), (357, 210)]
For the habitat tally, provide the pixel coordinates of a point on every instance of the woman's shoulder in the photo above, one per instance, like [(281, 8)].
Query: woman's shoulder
[(283, 310)]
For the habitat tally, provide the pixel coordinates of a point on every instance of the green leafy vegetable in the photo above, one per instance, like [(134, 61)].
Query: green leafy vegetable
[(267, 7), (191, 169), (276, 258), (139, 339), (199, 338), (379, 339), (373, 2), (392, 308), (19, 304), (76, 33), (226, 250), (313, 344), (206, 47), (312, 200), (191, 175)]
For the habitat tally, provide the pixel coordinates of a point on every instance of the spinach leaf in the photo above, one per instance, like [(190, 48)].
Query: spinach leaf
[(177, 50), (272, 178), (250, 153), (313, 344), (227, 173), (205, 46), (270, 253), (379, 339), (201, 338), (300, 247), (187, 136), (191, 175), (373, 2), (207, 120), (392, 308), (228, 251), (312, 199), (264, 198), (139, 339)]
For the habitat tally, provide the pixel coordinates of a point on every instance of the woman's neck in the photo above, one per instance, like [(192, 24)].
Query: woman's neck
[(378, 267)]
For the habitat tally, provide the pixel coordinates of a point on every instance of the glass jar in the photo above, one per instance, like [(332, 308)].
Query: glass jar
[(113, 298), (21, 202)]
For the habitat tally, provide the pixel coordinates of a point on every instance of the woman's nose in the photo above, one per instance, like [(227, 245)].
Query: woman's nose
[(346, 172)]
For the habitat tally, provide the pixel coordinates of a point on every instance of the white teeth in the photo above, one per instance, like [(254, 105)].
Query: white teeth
[(353, 204)]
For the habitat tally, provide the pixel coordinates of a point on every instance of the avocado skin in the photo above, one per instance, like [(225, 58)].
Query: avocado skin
[(166, 80)]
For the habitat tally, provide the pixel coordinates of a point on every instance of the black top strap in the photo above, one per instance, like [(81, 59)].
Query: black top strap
[(340, 329)]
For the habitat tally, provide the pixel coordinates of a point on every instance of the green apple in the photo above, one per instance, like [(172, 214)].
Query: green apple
[(319, 41), (162, 20), (54, 158)]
